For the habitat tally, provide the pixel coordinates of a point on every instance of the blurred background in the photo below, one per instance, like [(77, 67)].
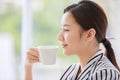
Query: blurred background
[(30, 23)]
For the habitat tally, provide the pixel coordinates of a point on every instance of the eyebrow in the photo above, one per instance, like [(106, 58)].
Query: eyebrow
[(66, 25)]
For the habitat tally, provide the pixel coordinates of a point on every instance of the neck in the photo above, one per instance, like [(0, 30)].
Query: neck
[(86, 56)]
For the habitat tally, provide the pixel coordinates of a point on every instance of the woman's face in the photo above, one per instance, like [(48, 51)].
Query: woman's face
[(71, 35)]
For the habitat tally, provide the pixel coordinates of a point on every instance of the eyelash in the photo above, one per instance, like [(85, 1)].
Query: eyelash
[(65, 29)]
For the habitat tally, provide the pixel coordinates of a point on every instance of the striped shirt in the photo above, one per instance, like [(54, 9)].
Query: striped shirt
[(98, 68)]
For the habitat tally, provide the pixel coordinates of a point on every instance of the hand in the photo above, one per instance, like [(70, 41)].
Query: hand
[(32, 56)]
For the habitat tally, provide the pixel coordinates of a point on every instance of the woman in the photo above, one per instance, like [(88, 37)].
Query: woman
[(83, 28)]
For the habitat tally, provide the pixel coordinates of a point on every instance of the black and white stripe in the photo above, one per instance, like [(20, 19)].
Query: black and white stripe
[(68, 72), (98, 68), (106, 74)]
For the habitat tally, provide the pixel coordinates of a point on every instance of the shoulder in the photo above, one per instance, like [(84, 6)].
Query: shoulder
[(105, 70), (106, 74), (104, 64)]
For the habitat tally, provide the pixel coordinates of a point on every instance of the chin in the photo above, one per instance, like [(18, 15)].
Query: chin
[(67, 53)]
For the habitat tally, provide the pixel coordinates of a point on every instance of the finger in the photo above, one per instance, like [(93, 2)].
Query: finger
[(33, 61), (34, 49), (29, 61), (33, 53), (30, 57)]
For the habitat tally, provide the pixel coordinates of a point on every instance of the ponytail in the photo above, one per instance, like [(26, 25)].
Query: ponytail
[(110, 53)]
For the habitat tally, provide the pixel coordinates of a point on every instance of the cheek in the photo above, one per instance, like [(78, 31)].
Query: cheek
[(73, 40), (73, 44), (70, 38), (77, 42)]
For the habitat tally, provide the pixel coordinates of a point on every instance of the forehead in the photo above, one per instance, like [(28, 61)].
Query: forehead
[(68, 18)]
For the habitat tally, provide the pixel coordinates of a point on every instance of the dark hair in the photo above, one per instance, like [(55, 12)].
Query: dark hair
[(90, 15)]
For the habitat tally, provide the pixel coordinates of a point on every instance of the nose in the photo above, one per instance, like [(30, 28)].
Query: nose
[(60, 36)]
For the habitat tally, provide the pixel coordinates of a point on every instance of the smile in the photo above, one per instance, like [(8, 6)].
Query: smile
[(64, 45)]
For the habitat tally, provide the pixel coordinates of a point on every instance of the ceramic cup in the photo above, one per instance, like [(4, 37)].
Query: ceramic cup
[(48, 54)]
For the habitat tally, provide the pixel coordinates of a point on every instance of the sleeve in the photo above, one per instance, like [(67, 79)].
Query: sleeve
[(106, 74)]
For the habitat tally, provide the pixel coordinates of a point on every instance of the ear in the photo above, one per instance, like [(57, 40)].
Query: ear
[(91, 34)]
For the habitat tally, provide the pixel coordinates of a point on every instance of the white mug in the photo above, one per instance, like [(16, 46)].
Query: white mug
[(48, 54)]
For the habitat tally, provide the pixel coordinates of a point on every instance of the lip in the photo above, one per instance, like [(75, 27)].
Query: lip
[(64, 45)]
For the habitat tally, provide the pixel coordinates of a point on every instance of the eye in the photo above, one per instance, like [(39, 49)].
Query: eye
[(66, 30)]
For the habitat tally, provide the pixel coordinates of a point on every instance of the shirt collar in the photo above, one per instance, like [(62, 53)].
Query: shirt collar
[(94, 59)]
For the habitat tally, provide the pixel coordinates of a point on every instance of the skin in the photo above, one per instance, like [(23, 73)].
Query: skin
[(76, 41), (73, 39), (31, 57)]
